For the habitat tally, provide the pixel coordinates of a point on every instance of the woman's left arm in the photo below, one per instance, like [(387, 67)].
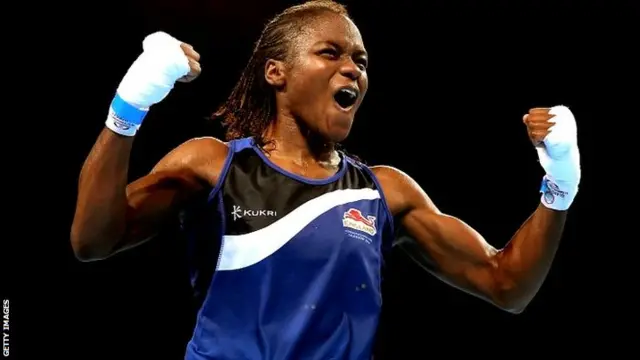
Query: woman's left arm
[(509, 277)]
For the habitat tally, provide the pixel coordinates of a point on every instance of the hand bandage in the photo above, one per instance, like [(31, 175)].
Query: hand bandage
[(560, 158), (147, 82)]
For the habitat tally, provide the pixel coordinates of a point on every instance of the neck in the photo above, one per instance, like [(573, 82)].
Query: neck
[(287, 137)]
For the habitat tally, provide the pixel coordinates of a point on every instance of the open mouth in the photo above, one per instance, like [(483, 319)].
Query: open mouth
[(346, 97)]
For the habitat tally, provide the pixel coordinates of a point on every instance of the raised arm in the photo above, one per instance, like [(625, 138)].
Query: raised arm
[(111, 216), (459, 255)]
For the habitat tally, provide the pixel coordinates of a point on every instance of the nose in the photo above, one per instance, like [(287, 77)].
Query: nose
[(350, 69)]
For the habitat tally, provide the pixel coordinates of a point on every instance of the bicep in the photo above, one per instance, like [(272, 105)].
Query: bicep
[(456, 252), (151, 199), (443, 244), (174, 181)]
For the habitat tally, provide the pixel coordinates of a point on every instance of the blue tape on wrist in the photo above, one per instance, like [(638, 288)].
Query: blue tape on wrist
[(546, 194), (127, 112), (543, 186)]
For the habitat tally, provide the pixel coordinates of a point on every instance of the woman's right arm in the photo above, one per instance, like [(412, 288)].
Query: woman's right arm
[(112, 216)]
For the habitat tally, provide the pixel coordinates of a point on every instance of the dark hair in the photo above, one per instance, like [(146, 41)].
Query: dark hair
[(251, 106)]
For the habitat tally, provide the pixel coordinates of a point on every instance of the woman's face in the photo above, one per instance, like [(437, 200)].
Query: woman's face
[(325, 80)]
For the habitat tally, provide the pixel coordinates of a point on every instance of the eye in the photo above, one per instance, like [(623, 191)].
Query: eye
[(362, 63), (329, 53)]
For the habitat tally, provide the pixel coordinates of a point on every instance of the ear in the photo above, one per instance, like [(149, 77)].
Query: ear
[(274, 73)]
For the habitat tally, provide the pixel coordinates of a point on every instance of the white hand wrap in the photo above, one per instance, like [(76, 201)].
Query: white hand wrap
[(147, 82), (560, 158)]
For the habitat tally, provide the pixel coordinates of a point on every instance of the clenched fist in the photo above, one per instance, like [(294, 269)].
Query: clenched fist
[(163, 61), (539, 123), (553, 132), (194, 64)]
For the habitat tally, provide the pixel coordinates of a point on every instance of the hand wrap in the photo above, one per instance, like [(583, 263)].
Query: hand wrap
[(560, 158), (147, 82)]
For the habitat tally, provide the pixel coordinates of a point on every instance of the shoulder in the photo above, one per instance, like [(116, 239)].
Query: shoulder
[(204, 148), (389, 173), (393, 179), (203, 157), (400, 190)]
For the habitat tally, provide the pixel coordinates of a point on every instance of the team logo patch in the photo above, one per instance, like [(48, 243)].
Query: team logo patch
[(118, 122), (354, 219), (551, 191)]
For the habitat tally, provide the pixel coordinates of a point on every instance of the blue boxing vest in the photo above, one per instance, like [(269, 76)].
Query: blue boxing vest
[(287, 267)]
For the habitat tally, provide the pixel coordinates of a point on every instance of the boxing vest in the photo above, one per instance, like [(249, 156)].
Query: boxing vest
[(287, 267)]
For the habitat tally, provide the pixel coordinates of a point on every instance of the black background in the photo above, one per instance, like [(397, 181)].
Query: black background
[(449, 83)]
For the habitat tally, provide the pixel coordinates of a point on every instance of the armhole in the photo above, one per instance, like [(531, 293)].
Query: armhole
[(389, 238), (223, 172), (203, 253)]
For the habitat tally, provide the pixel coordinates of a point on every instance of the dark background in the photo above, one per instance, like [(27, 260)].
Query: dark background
[(449, 83)]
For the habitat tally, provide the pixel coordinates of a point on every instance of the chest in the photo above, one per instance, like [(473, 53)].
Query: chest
[(312, 224)]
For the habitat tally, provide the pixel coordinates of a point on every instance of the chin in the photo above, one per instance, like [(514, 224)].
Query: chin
[(338, 134), (338, 127), (338, 139)]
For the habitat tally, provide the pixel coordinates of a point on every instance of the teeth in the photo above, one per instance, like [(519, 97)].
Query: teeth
[(351, 92)]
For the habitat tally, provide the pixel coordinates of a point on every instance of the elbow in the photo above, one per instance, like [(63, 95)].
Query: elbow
[(85, 252), (510, 303), (509, 297), (514, 308), (86, 249)]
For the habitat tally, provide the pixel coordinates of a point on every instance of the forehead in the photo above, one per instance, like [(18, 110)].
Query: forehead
[(332, 28)]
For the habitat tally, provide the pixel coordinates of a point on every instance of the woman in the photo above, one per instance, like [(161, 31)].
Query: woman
[(301, 227)]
